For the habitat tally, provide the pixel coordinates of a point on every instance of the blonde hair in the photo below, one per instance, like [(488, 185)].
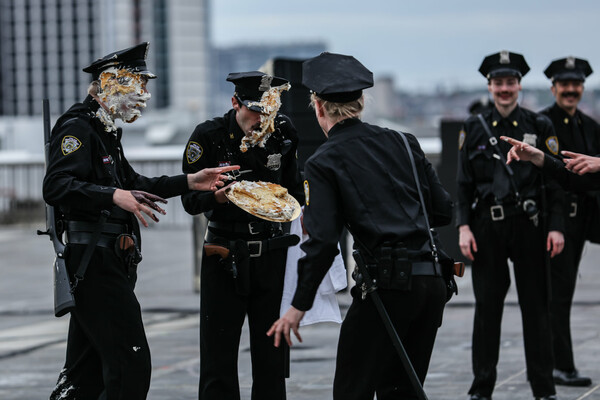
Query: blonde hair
[(339, 111)]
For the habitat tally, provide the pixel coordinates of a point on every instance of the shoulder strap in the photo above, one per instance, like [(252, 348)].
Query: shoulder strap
[(418, 183), (494, 142)]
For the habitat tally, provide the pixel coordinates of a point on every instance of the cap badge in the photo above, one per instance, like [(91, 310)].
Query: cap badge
[(530, 139), (504, 57), (69, 145), (193, 153), (570, 63), (265, 83)]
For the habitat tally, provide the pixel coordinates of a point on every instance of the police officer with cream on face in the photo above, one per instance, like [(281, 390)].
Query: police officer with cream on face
[(249, 280), (578, 133), (499, 215), (91, 183), (362, 178)]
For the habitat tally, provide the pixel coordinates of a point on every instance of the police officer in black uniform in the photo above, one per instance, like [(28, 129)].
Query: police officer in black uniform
[(499, 216), (362, 178), (99, 195), (578, 133), (250, 280)]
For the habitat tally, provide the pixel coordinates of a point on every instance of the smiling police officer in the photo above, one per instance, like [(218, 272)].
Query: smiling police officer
[(577, 133), (499, 215)]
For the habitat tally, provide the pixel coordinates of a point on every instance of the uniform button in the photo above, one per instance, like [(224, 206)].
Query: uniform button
[(402, 274), (385, 271)]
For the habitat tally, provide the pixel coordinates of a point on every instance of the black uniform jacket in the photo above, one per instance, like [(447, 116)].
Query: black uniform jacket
[(87, 164), (580, 134), (216, 143), (482, 177), (583, 138), (362, 177)]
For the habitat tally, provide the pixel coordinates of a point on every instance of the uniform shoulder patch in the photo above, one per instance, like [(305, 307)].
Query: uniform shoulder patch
[(193, 152), (70, 144), (461, 138), (306, 193), (552, 144)]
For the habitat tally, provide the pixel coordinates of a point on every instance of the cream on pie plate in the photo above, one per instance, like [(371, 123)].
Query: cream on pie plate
[(264, 200)]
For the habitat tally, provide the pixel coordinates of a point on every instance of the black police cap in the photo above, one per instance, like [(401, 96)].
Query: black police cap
[(336, 77), (250, 86), (504, 63), (569, 68), (132, 59)]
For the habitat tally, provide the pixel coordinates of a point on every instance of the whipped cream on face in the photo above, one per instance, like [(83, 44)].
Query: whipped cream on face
[(270, 102), (124, 95)]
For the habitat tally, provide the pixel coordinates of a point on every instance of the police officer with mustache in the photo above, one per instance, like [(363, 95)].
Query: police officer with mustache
[(499, 216), (578, 133)]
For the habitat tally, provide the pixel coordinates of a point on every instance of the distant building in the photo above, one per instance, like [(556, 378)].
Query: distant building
[(44, 44)]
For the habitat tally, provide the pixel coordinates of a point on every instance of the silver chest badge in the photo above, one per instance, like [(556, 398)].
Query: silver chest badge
[(530, 139), (274, 161)]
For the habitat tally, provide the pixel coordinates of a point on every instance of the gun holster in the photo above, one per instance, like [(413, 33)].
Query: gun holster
[(238, 264), (126, 248)]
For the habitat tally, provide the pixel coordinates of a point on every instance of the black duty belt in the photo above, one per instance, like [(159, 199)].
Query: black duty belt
[(499, 212), (248, 228), (82, 232), (426, 268), (257, 248), (104, 240), (419, 268), (107, 227)]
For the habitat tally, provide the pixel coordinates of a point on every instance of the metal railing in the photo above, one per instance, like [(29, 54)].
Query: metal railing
[(21, 190)]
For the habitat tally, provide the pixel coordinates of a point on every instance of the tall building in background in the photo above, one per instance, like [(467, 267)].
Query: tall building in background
[(44, 44)]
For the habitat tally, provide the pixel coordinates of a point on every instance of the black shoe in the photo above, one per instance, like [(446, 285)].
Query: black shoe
[(552, 397), (477, 396), (570, 378)]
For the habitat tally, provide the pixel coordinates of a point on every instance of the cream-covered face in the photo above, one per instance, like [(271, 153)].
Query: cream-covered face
[(124, 93)]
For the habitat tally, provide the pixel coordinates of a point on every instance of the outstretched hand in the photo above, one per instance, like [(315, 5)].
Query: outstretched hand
[(209, 179), (581, 163), (289, 321), (521, 151), (137, 201)]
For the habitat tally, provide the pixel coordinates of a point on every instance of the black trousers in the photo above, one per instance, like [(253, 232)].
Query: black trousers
[(367, 363), (497, 241), (222, 314), (564, 277), (108, 357)]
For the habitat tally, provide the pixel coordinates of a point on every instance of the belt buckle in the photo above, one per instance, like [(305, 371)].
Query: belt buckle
[(573, 212), (497, 212), (259, 244), (251, 229)]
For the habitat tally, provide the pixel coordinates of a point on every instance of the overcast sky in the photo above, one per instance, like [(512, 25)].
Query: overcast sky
[(422, 44)]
